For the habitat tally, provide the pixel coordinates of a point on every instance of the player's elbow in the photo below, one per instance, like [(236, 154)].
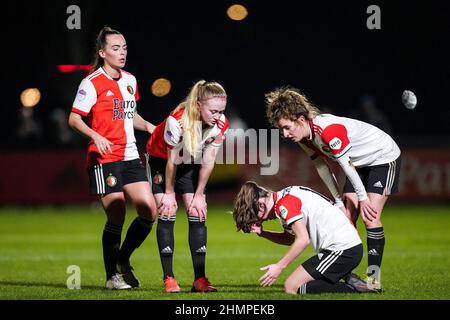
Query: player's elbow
[(73, 118)]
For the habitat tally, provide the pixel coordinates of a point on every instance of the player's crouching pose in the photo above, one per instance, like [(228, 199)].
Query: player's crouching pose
[(194, 131), (307, 217), (369, 157)]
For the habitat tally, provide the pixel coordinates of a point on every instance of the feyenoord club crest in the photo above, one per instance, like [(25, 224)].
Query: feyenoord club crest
[(130, 89), (111, 181), (158, 178)]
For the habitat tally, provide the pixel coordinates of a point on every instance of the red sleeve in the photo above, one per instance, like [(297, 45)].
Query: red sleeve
[(289, 208), (223, 126), (81, 113), (335, 136), (136, 94)]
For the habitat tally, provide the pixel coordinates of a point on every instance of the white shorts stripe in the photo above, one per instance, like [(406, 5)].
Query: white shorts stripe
[(390, 178), (326, 260), (329, 261), (97, 183), (100, 179), (148, 170)]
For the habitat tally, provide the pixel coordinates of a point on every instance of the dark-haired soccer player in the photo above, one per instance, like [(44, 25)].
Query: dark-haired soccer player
[(307, 217)]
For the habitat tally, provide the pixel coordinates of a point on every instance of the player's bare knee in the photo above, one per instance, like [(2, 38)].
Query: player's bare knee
[(291, 287)]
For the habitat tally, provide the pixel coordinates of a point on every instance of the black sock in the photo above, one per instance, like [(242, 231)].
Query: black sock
[(197, 244), (111, 243), (166, 242), (375, 248), (136, 234), (322, 286)]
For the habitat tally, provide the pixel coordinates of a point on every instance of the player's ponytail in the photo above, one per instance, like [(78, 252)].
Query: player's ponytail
[(288, 103), (191, 120), (100, 43)]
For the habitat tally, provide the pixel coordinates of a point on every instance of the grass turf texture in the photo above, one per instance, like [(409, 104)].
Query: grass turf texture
[(37, 246)]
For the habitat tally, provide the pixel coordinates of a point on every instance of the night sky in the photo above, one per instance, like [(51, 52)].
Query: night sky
[(322, 48)]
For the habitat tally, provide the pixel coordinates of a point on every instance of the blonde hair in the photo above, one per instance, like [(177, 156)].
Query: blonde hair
[(191, 120), (288, 103)]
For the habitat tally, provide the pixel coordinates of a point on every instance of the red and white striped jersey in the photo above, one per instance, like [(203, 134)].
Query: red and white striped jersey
[(110, 106), (365, 144), (327, 225), (169, 134)]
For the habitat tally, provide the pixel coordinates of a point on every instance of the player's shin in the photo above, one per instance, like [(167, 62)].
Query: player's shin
[(165, 237), (197, 244)]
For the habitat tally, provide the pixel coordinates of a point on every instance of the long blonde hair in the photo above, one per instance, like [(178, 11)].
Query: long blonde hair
[(191, 120), (289, 103)]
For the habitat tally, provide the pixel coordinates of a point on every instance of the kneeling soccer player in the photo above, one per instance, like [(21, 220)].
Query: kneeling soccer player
[(307, 217)]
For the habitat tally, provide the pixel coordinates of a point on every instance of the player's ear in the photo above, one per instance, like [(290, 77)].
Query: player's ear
[(101, 53), (301, 119)]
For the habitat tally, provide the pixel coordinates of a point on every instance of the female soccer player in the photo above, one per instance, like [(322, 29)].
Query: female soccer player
[(107, 97), (181, 154), (307, 217), (369, 157)]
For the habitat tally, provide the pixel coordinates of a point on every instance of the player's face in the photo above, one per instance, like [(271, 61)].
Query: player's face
[(211, 110), (115, 51), (263, 211), (294, 130)]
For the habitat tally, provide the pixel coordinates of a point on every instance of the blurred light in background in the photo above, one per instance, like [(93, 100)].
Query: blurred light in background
[(30, 97), (161, 87), (237, 12), (69, 68)]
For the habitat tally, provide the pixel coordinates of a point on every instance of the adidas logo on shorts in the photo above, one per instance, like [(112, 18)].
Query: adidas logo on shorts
[(378, 184)]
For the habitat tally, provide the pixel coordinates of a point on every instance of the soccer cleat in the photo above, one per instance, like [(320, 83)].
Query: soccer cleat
[(374, 284), (359, 285), (202, 284), (116, 282), (171, 285), (127, 274)]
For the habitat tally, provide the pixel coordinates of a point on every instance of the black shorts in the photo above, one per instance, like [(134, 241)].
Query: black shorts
[(333, 265), (381, 179), (111, 177), (186, 178)]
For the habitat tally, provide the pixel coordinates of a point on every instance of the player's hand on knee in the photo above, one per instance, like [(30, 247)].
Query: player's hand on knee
[(198, 207), (368, 212), (168, 205)]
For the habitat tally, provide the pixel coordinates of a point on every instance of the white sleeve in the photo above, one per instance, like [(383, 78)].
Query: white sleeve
[(353, 176), (85, 99), (172, 132), (329, 179)]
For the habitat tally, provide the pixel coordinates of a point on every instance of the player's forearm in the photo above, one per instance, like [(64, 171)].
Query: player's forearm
[(329, 179), (171, 170), (296, 249), (282, 238), (204, 174), (140, 124), (77, 123), (353, 176)]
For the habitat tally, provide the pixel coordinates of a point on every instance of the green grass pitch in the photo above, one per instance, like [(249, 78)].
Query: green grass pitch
[(37, 246)]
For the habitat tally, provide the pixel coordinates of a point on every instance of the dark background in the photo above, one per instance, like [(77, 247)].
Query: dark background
[(321, 47)]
